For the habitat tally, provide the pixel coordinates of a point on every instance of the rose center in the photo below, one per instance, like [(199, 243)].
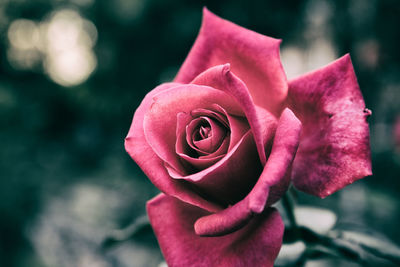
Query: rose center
[(205, 132), (205, 135)]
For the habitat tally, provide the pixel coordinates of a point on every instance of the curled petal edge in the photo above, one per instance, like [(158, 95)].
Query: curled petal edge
[(172, 221), (220, 77), (279, 164), (141, 152), (254, 58)]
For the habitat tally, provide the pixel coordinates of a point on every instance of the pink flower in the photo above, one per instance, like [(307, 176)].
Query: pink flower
[(225, 139), (396, 133)]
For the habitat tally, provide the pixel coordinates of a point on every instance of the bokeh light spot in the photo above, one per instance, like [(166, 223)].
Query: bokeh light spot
[(71, 67), (69, 39), (23, 34)]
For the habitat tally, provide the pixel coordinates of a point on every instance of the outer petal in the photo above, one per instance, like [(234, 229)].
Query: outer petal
[(272, 183), (254, 58), (257, 244), (334, 148), (138, 148)]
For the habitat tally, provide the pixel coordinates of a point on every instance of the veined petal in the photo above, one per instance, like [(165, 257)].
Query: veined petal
[(334, 148)]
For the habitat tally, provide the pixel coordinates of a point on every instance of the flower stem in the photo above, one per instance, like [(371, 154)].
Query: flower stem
[(337, 245), (121, 235), (288, 203)]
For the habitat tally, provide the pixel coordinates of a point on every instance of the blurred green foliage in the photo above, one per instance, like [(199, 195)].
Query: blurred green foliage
[(63, 164)]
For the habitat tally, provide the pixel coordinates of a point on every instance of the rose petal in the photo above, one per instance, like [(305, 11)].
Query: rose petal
[(334, 148), (277, 171), (261, 121), (202, 163), (215, 113), (160, 121), (232, 177), (181, 145), (185, 151), (237, 125), (190, 136), (257, 244), (272, 183), (138, 148), (254, 58), (213, 141)]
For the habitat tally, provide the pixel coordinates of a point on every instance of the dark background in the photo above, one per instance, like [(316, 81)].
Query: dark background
[(73, 72)]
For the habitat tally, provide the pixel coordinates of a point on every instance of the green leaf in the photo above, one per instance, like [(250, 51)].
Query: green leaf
[(373, 243)]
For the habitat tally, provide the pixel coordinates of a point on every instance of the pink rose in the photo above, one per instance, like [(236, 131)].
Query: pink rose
[(396, 133), (225, 139)]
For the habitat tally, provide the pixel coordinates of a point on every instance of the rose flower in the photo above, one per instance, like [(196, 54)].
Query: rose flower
[(225, 139)]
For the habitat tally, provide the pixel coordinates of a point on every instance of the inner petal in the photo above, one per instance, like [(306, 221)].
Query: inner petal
[(205, 135), (190, 157), (229, 179), (161, 117), (204, 132)]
